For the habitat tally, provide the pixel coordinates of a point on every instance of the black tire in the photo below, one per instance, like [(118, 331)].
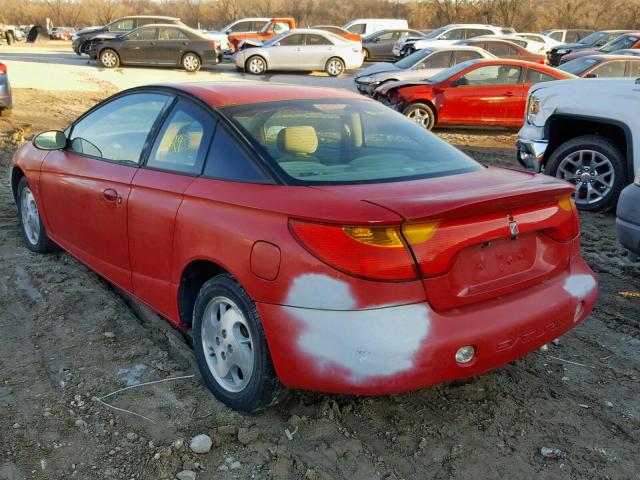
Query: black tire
[(191, 62), (263, 388), (334, 66), (10, 38), (109, 58), (255, 65), (605, 151), (365, 52), (428, 117), (43, 243)]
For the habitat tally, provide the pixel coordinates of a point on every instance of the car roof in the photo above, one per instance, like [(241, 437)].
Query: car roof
[(602, 58), (221, 94), (148, 16), (307, 30), (455, 47)]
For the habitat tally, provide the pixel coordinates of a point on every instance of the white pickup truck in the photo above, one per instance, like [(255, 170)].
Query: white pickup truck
[(586, 132)]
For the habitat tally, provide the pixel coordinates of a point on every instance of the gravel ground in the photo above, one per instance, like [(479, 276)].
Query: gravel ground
[(68, 337)]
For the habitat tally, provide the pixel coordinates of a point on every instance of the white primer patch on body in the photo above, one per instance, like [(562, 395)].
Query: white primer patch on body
[(578, 286), (368, 343)]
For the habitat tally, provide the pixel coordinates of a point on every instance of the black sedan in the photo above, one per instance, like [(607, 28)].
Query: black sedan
[(160, 45)]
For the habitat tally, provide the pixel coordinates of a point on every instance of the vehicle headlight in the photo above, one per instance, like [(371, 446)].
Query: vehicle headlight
[(533, 108), (562, 51), (370, 80)]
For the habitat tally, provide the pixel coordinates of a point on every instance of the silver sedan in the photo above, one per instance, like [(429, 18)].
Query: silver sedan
[(300, 50)]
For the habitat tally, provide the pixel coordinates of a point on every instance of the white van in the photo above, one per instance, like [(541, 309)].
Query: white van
[(367, 26)]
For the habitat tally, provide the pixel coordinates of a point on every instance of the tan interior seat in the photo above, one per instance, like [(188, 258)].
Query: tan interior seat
[(297, 143)]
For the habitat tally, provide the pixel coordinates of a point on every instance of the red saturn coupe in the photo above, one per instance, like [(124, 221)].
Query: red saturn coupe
[(473, 93), (310, 238)]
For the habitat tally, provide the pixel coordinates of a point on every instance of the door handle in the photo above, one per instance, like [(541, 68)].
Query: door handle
[(111, 195), (508, 94)]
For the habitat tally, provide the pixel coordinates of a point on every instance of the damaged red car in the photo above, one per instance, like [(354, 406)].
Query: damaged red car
[(309, 238), (480, 92)]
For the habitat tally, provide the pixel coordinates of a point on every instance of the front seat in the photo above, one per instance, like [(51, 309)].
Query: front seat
[(297, 144)]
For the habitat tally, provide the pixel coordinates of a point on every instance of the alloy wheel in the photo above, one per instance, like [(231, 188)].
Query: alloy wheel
[(30, 216), (256, 66), (420, 116), (227, 344), (591, 172)]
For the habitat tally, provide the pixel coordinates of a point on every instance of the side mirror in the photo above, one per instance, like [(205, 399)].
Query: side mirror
[(51, 140), (459, 81), (591, 75)]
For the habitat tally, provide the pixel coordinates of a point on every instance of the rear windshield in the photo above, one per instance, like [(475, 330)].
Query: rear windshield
[(345, 141), (619, 43), (578, 65), (592, 38)]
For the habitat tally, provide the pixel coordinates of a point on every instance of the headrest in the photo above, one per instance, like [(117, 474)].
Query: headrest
[(301, 140)]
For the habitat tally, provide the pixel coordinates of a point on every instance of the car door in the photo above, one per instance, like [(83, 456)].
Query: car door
[(287, 54), (316, 51), (174, 161), (86, 186), (139, 46), (484, 95), (382, 44), (170, 46)]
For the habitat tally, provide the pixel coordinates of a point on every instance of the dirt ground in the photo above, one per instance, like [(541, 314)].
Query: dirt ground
[(67, 336)]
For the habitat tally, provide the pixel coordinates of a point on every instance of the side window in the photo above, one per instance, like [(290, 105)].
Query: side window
[(535, 76), (520, 43), (462, 56), (118, 130), (610, 69), (499, 49), (172, 34), (182, 143), (313, 40), (280, 27), (293, 40), (387, 36), (143, 34), (147, 21), (492, 75), (454, 34), (242, 27), (358, 28), (572, 37), (634, 69), (476, 32), (438, 60), (227, 160), (556, 36), (258, 25), (124, 25)]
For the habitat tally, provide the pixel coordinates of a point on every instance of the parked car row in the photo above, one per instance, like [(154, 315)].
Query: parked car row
[(6, 98)]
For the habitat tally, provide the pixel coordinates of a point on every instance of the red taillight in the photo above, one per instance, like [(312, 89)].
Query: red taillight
[(3, 69), (377, 253)]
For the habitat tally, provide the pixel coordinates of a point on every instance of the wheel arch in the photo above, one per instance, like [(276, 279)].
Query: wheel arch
[(16, 176), (194, 275), (563, 127), (427, 102)]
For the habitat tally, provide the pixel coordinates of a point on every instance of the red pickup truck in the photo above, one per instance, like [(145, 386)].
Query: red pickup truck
[(271, 29)]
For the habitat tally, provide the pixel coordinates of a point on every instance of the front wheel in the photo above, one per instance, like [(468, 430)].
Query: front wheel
[(422, 114), (334, 67), (191, 62), (109, 58), (256, 65), (365, 53), (231, 347), (10, 38), (33, 230), (595, 166)]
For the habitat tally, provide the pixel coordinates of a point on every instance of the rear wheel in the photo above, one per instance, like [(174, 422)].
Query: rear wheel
[(334, 66), (422, 114), (231, 347), (365, 52), (191, 62), (256, 65), (10, 38), (595, 166), (109, 58), (34, 234)]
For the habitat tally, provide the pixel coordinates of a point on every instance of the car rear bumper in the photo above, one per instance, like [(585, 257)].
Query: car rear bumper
[(395, 349), (628, 221)]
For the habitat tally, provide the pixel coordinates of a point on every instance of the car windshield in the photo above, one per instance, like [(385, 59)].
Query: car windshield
[(333, 141), (592, 39), (410, 60), (578, 65), (620, 43), (450, 72), (275, 39)]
